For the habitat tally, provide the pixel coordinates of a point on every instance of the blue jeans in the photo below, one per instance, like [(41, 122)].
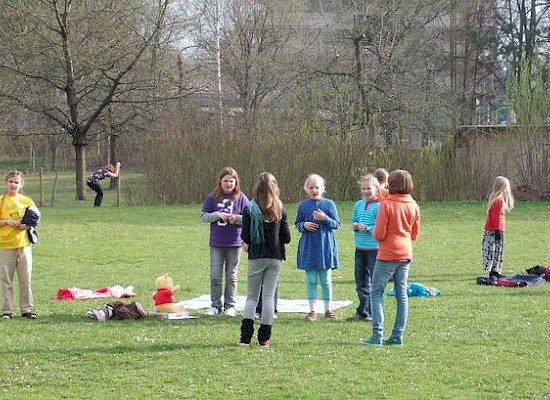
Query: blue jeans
[(364, 267), (383, 271)]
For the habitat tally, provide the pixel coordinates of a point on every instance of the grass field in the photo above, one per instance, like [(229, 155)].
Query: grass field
[(472, 342)]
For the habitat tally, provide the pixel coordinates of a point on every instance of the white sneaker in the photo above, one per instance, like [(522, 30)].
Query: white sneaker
[(212, 311), (100, 314), (259, 316), (230, 312)]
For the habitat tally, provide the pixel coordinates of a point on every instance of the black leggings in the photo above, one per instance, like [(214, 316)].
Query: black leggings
[(96, 188)]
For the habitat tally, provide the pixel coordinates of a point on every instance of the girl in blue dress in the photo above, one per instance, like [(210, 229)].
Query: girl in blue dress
[(316, 220)]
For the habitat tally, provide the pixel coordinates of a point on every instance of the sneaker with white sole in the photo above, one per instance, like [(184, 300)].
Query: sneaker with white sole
[(394, 341), (230, 312), (372, 341), (212, 311)]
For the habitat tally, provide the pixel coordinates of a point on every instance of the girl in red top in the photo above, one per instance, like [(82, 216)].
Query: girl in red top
[(500, 201)]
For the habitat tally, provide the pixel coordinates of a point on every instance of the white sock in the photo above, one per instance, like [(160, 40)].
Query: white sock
[(312, 303), (327, 305)]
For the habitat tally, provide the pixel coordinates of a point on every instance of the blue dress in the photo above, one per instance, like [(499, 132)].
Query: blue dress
[(317, 250)]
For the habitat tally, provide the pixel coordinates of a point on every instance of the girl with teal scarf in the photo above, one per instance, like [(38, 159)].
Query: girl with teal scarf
[(265, 232)]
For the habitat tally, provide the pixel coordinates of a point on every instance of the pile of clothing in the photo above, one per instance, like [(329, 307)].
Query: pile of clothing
[(534, 276)]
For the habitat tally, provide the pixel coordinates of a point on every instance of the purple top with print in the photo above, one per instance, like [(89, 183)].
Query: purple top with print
[(223, 234)]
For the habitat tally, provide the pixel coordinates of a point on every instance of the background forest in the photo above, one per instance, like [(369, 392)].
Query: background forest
[(177, 89)]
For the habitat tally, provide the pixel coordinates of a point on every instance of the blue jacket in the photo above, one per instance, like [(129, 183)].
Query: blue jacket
[(365, 212)]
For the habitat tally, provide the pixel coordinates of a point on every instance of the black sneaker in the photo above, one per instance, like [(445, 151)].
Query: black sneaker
[(29, 315), (6, 315), (357, 317)]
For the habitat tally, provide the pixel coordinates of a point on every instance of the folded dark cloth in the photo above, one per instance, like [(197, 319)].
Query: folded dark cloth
[(31, 218)]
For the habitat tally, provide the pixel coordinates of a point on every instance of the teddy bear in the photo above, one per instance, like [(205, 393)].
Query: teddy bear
[(164, 299)]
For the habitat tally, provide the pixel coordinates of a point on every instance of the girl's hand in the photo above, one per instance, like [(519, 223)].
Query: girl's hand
[(231, 218), (245, 247), (319, 215), (359, 227), (12, 223), (223, 216), (311, 226)]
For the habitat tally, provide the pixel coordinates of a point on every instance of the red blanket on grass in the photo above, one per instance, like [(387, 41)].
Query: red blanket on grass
[(75, 293)]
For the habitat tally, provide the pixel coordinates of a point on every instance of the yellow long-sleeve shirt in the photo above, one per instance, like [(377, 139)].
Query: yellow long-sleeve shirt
[(13, 208)]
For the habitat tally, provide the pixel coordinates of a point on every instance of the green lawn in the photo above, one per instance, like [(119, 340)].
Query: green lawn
[(472, 342)]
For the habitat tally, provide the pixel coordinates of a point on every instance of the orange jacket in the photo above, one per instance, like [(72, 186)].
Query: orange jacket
[(397, 226)]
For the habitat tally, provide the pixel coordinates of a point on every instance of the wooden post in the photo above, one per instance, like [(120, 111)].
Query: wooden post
[(54, 188), (545, 163), (41, 186), (118, 189)]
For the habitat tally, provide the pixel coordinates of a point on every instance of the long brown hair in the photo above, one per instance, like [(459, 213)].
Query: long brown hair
[(266, 191), (218, 192)]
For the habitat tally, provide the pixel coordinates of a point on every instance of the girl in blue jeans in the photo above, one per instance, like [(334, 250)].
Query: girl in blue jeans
[(397, 226)]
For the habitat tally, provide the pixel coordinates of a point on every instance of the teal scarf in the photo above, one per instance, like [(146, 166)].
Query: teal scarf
[(257, 239)]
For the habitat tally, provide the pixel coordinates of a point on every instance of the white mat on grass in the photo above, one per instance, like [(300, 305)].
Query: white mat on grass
[(176, 315), (283, 305)]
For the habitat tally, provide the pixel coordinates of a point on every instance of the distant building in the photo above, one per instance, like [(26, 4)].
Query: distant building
[(520, 152)]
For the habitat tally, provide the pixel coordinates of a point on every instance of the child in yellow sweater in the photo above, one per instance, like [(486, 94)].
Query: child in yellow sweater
[(15, 247)]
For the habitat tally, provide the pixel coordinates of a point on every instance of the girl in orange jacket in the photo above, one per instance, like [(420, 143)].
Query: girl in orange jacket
[(397, 226)]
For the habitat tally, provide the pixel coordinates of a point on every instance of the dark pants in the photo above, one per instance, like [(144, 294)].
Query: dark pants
[(99, 196), (364, 269)]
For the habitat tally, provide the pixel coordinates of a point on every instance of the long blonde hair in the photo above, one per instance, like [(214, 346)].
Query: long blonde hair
[(266, 192), (501, 188)]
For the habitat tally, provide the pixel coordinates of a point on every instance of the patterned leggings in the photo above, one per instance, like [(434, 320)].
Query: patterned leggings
[(492, 248)]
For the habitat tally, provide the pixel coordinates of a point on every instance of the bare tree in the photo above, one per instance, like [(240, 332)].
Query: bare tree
[(70, 61), (380, 60), (476, 81), (255, 44), (524, 26)]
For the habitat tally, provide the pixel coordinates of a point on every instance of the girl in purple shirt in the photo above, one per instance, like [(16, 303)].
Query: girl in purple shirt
[(222, 209)]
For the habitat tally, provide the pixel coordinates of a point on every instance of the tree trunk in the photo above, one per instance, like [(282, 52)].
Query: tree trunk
[(113, 159), (80, 167)]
